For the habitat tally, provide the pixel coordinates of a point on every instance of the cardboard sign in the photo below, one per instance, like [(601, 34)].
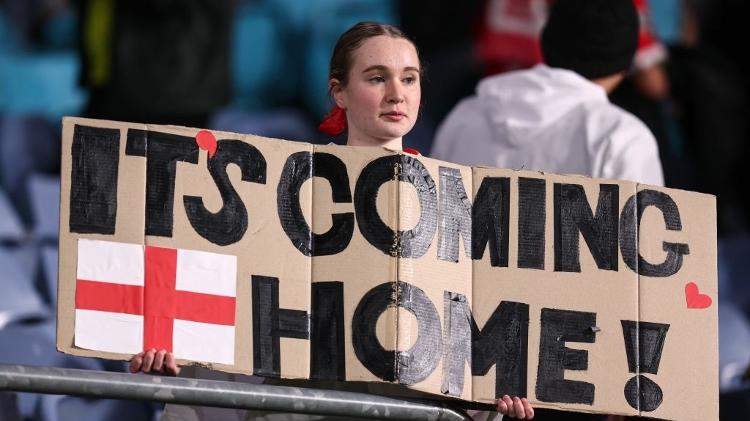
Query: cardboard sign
[(289, 260)]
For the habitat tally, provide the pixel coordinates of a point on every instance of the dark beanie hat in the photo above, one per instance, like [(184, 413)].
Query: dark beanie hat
[(593, 38)]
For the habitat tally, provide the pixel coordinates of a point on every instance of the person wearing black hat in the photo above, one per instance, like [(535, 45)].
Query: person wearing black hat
[(556, 116)]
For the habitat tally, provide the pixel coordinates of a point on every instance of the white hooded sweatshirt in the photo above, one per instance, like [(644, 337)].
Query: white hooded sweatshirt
[(552, 120)]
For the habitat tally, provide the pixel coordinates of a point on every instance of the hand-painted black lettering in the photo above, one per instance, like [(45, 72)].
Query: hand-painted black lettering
[(406, 367), (415, 242), (531, 222), (372, 227), (270, 323), (228, 225), (136, 142), (95, 157), (490, 220), (455, 215), (338, 237), (630, 226), (559, 327), (643, 393), (327, 340), (163, 151), (573, 215), (644, 343), (297, 169), (503, 342)]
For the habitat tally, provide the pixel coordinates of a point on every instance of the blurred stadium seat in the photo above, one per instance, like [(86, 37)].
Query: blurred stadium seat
[(48, 272), (20, 301), (256, 57), (72, 408), (44, 200), (44, 84), (33, 343), (287, 124), (11, 229)]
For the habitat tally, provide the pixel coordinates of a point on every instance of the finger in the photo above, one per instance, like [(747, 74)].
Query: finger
[(509, 403), (502, 407), (527, 407), (171, 365), (148, 360), (518, 408), (136, 362), (159, 360)]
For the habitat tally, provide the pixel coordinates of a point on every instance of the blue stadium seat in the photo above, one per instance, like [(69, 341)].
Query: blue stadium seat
[(51, 77), (28, 144), (44, 200), (257, 53), (734, 270), (49, 256), (63, 408), (281, 124), (9, 41), (9, 406), (20, 300), (11, 228), (60, 31), (34, 344), (666, 18), (734, 347)]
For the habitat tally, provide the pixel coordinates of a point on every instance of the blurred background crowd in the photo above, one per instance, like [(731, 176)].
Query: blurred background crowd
[(261, 67)]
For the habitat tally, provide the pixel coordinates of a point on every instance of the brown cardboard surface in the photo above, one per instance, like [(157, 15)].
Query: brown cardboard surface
[(360, 267), (611, 295), (410, 289), (690, 348), (264, 249), (131, 184), (430, 220)]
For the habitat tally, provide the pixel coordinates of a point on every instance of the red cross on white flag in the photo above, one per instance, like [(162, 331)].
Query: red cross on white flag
[(131, 297)]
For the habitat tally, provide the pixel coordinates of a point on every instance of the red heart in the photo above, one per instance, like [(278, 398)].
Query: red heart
[(206, 141), (694, 298)]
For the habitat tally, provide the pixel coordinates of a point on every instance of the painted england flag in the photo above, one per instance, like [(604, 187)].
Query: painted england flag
[(131, 297)]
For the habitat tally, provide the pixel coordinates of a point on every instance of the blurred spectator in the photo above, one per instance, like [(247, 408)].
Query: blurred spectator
[(710, 79), (444, 35), (558, 118), (508, 34), (156, 61)]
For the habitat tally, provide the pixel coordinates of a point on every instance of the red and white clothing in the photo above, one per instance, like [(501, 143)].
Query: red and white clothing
[(509, 31)]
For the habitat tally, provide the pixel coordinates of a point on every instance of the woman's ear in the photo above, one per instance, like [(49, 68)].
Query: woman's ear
[(337, 93)]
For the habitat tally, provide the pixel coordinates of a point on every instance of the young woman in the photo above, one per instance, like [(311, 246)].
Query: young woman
[(374, 81)]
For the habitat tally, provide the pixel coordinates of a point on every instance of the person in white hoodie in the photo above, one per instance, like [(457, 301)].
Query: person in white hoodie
[(556, 117)]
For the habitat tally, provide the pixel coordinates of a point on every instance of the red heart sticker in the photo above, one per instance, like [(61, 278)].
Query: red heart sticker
[(694, 298), (206, 141)]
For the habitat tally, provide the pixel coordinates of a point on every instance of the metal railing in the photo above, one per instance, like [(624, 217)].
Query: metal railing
[(102, 384)]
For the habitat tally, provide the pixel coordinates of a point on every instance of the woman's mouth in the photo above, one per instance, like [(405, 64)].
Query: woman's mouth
[(394, 116)]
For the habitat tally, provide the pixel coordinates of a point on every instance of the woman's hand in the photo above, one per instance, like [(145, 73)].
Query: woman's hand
[(150, 361), (515, 407)]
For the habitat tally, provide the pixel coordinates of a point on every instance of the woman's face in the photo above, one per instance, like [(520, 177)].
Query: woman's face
[(382, 95)]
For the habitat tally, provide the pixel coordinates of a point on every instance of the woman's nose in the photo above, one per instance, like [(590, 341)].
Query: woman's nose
[(395, 94)]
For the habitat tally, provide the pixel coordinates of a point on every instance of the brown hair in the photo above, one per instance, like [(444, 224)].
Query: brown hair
[(349, 41)]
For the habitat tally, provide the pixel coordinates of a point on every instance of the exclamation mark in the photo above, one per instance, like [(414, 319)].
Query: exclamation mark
[(648, 338)]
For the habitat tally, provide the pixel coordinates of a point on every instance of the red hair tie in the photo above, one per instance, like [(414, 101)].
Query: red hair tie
[(334, 122)]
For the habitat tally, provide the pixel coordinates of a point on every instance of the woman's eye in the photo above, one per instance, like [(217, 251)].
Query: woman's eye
[(377, 79), (409, 80)]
